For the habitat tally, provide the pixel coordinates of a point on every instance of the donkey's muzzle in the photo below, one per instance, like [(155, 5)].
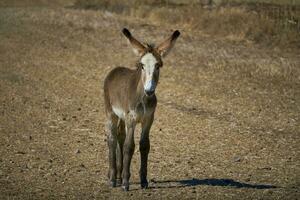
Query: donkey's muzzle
[(149, 92)]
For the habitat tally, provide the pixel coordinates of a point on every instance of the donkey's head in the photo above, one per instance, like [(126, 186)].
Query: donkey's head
[(150, 59)]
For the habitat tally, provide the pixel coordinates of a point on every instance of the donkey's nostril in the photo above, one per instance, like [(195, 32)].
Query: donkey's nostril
[(149, 92)]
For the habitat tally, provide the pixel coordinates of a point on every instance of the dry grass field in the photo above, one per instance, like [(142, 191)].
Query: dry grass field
[(227, 122)]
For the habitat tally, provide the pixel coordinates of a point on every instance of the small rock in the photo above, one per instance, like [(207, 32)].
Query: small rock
[(237, 159), (82, 165), (77, 151), (266, 168), (153, 180)]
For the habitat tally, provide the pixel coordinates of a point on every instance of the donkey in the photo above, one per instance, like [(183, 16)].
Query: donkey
[(129, 97)]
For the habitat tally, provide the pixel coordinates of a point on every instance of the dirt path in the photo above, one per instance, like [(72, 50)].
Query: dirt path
[(226, 127)]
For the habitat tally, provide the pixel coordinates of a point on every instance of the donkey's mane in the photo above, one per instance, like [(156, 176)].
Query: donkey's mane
[(150, 46)]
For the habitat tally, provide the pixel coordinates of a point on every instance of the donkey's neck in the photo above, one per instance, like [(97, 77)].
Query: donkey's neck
[(140, 94)]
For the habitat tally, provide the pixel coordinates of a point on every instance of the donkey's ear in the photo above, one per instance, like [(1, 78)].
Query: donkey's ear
[(164, 48), (138, 48)]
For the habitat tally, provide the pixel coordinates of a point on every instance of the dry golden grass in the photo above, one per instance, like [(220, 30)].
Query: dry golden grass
[(279, 2), (261, 23), (35, 3)]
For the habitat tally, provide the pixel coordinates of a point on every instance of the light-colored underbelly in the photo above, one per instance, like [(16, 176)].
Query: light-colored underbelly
[(136, 115), (119, 112)]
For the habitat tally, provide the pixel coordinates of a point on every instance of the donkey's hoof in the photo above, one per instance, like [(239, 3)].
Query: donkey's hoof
[(144, 185), (119, 181), (112, 184), (125, 188)]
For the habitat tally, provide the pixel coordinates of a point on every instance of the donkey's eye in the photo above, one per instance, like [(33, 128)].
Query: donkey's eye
[(141, 65), (157, 66)]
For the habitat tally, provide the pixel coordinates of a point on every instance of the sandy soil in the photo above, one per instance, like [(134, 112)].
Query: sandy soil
[(226, 126)]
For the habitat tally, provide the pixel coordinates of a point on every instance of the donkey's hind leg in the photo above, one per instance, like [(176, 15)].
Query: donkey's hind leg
[(121, 138), (128, 152), (112, 126)]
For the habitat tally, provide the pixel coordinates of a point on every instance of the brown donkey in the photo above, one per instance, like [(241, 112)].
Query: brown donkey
[(129, 97)]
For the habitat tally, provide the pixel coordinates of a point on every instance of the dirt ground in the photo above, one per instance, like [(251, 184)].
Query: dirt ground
[(226, 125)]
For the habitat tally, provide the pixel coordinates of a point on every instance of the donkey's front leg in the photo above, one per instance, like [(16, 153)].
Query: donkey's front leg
[(144, 149), (112, 144), (128, 151)]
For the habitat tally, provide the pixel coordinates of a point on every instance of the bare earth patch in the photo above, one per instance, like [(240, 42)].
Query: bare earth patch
[(226, 127)]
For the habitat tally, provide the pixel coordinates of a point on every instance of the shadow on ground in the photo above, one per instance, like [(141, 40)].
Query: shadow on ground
[(210, 182)]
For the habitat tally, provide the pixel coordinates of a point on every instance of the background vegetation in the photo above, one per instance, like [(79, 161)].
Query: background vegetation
[(258, 21)]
